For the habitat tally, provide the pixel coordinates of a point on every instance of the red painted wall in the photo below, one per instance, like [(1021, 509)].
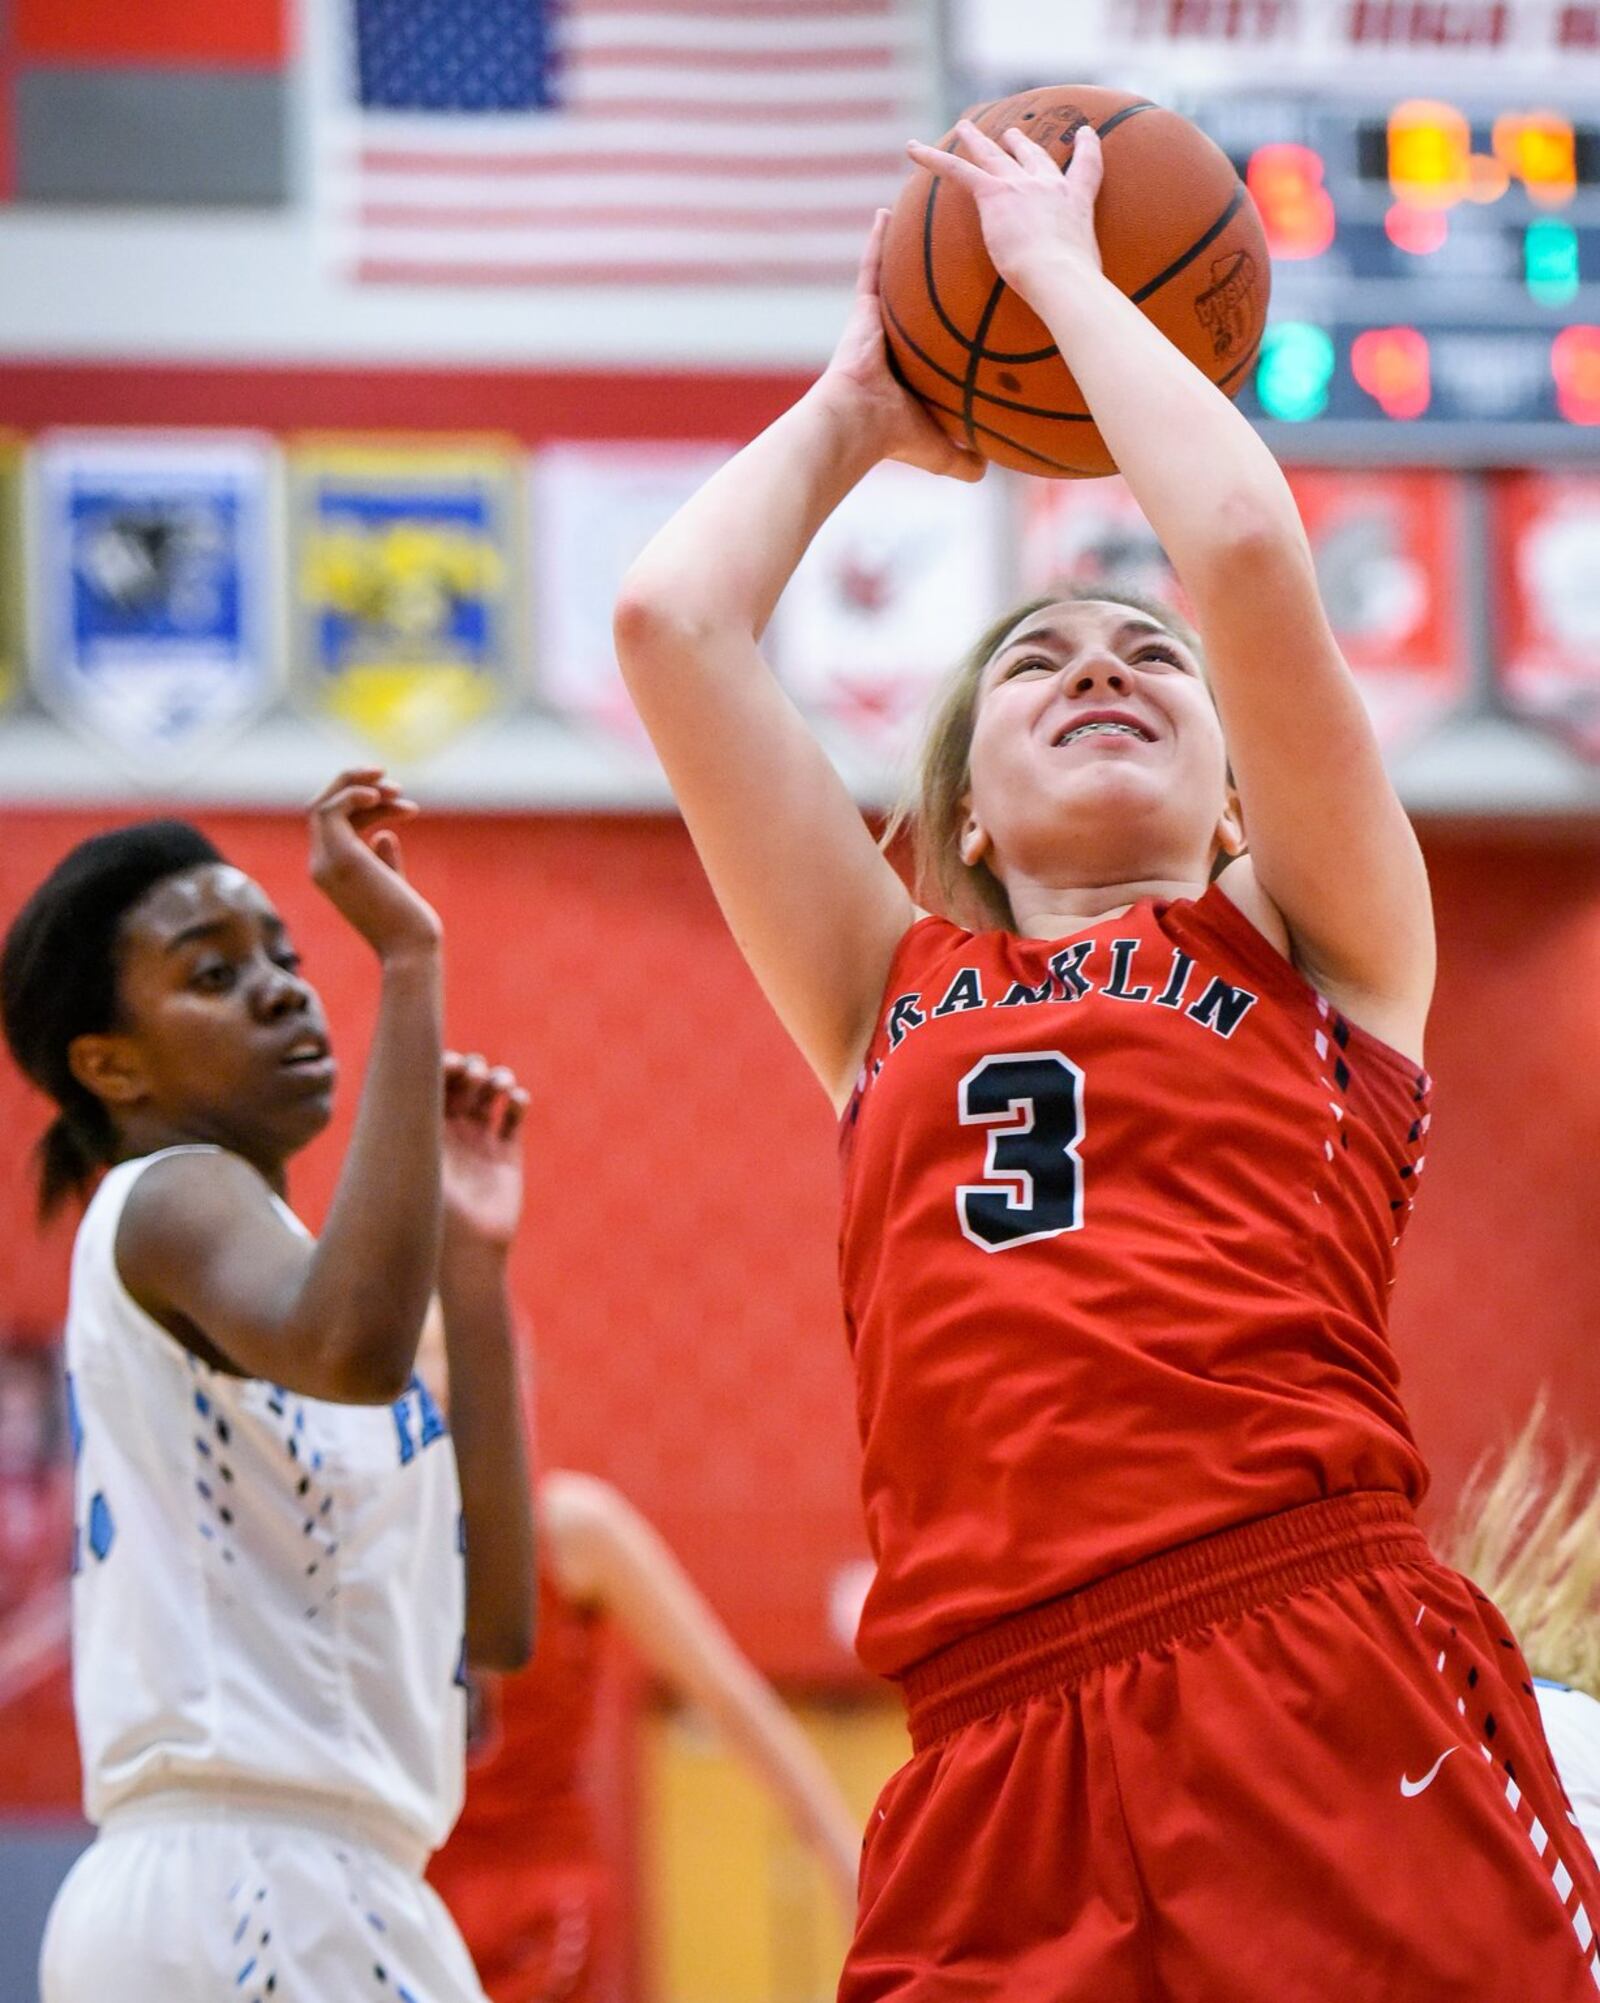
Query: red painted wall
[(678, 1256)]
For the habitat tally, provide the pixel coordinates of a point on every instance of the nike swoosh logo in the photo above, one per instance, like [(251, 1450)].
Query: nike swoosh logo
[(1409, 1787)]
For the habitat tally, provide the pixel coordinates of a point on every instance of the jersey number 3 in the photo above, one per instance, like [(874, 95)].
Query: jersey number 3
[(1033, 1107)]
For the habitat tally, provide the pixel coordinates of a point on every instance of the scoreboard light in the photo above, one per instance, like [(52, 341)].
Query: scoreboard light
[(1418, 232), (1550, 261), (1391, 364), (1287, 184), (1294, 372), (1541, 149), (1575, 364), (1430, 154)]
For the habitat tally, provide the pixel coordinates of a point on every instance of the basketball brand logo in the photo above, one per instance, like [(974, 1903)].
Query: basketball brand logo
[(1222, 309)]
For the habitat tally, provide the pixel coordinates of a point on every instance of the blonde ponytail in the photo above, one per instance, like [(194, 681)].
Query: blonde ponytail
[(1528, 1533)]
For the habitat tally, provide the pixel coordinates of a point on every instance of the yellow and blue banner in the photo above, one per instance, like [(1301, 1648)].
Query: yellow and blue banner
[(404, 575)]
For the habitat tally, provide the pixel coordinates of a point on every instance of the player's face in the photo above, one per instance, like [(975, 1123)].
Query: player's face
[(1097, 754), (221, 1039)]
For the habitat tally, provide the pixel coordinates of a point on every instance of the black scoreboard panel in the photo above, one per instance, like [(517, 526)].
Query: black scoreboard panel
[(1436, 270)]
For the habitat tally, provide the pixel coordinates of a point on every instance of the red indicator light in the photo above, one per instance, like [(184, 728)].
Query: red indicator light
[(1286, 183), (1419, 232), (1575, 364), (1391, 365)]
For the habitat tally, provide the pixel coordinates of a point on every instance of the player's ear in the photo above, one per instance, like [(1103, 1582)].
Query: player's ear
[(972, 841), (109, 1066), (1229, 838)]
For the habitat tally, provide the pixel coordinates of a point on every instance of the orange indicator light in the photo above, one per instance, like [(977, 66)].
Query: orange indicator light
[(1391, 365), (1575, 364), (1286, 183), (1540, 149)]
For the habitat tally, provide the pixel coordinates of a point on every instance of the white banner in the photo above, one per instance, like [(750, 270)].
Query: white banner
[(1389, 45), (898, 583), (594, 506)]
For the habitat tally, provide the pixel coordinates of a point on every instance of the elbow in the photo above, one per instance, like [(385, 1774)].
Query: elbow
[(505, 1644), (653, 622), (365, 1368), (1251, 529)]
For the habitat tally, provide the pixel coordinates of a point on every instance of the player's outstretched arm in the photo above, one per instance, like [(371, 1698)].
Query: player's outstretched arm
[(202, 1246), (483, 1111), (603, 1553), (815, 908), (1329, 842)]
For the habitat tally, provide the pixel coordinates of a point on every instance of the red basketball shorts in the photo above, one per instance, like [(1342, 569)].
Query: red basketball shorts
[(536, 1929), (1298, 1762)]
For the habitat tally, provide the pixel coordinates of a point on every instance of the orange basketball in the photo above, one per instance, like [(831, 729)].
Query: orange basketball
[(1178, 233)]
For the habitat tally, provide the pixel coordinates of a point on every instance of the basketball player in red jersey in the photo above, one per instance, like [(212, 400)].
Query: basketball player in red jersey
[(528, 1872), (1127, 1152)]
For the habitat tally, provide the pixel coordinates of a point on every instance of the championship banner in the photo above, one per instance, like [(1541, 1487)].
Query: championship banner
[(1327, 44), (594, 507), (898, 583), (404, 574), (1087, 532), (1386, 551), (1387, 547), (1545, 533), (152, 632), (12, 640)]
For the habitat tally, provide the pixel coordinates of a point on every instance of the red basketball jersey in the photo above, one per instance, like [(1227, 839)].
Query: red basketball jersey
[(1119, 1224), (537, 1871)]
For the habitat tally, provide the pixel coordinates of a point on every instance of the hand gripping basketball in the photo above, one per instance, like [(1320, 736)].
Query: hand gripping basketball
[(859, 375), (1033, 215), (1015, 191)]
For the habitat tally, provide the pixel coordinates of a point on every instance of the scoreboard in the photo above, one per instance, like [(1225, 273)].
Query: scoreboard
[(1436, 271)]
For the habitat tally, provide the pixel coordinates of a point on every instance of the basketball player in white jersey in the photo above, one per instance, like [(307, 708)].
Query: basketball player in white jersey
[(270, 1614)]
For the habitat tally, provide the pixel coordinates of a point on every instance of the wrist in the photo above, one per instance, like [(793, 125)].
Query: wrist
[(1059, 284), (467, 1252), (416, 959), (861, 427)]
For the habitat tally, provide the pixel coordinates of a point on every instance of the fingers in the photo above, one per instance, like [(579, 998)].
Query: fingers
[(1086, 169), (487, 1095), (872, 258), (385, 846), (950, 166)]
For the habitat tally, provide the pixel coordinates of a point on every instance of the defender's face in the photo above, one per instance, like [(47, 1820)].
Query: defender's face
[(227, 1039)]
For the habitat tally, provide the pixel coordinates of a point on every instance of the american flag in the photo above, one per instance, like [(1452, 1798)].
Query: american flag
[(635, 142)]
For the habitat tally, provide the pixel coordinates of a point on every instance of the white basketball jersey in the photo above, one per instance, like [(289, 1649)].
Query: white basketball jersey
[(268, 1590), (1572, 1725)]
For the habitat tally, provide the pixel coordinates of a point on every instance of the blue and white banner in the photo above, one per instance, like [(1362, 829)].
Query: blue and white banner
[(152, 628)]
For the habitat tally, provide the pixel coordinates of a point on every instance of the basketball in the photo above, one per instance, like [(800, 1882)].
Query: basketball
[(1178, 233)]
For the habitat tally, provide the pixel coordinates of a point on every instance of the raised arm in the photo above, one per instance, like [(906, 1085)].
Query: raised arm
[(482, 1203), (814, 906), (1330, 844), (603, 1553), (201, 1244)]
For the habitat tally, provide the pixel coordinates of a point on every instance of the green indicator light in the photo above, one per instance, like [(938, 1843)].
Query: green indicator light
[(1550, 261), (1294, 372)]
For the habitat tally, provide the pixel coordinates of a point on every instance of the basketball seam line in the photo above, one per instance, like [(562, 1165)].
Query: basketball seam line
[(1008, 403), (1200, 243), (986, 396), (950, 327)]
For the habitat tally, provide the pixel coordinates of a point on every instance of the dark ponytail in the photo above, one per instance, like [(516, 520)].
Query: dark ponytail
[(58, 981)]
